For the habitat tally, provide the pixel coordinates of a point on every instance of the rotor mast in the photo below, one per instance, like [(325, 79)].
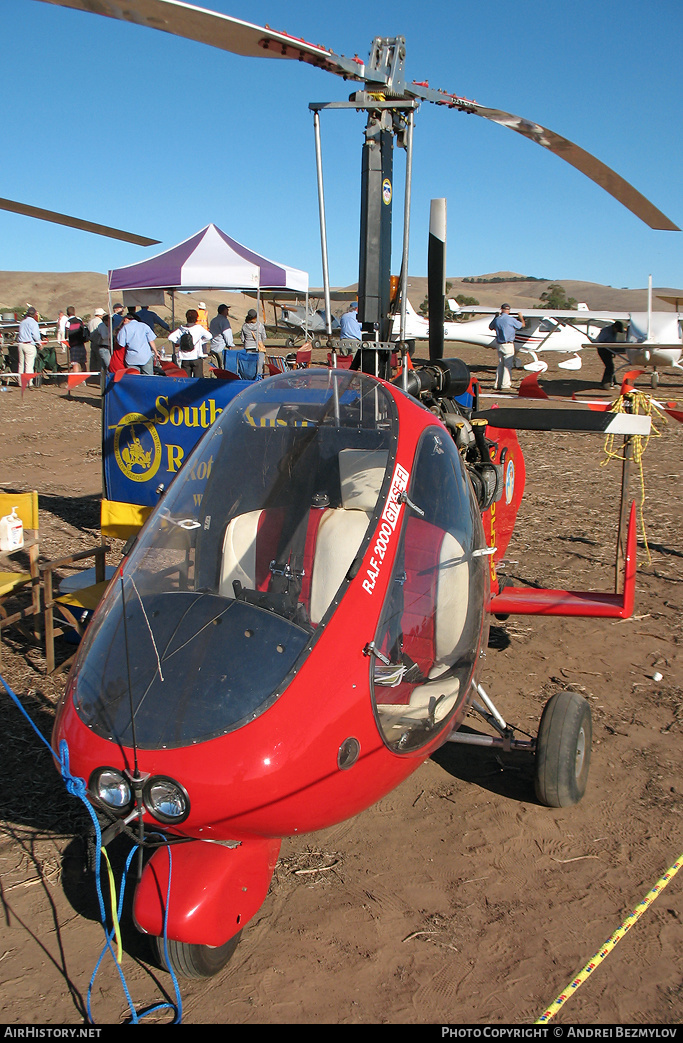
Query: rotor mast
[(385, 86), (389, 120)]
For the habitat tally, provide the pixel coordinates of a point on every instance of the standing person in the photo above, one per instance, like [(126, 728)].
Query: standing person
[(189, 341), (77, 336), (253, 336), (96, 319), (93, 324), (349, 326), (28, 342), (221, 331), (100, 345), (117, 317), (202, 315), (609, 335), (505, 327), (139, 343), (61, 331), (151, 319), (350, 329)]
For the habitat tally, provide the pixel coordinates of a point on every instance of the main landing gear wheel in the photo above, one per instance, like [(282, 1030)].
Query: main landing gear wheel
[(194, 961), (563, 750)]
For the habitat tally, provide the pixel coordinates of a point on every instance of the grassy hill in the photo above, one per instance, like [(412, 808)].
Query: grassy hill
[(51, 292)]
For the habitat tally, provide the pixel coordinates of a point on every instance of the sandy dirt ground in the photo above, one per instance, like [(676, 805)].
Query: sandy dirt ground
[(457, 899)]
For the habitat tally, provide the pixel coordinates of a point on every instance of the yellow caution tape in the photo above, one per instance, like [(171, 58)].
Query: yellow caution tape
[(114, 913), (610, 943)]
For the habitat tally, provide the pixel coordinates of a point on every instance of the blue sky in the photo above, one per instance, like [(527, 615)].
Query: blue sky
[(140, 130)]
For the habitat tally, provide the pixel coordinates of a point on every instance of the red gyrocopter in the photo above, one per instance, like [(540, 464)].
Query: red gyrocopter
[(295, 634)]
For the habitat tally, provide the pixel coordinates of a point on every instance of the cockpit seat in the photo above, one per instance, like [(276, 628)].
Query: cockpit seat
[(250, 544), (333, 536), (432, 617), (342, 529)]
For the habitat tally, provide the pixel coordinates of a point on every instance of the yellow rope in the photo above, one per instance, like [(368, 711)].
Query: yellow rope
[(602, 953), (114, 913), (635, 402)]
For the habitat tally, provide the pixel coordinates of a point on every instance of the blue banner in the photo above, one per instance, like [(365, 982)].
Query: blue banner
[(150, 425)]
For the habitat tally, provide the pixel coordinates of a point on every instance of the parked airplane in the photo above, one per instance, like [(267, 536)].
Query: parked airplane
[(544, 331), (302, 317), (653, 342), (653, 338)]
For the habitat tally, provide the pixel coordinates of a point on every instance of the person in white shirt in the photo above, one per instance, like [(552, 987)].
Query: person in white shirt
[(190, 358), (29, 339), (96, 319), (61, 331)]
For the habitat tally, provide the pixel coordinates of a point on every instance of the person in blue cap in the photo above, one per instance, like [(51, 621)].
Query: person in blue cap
[(505, 326), (349, 326)]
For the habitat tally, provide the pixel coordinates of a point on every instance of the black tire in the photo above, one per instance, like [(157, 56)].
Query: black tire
[(290, 342), (194, 961), (317, 343), (563, 750)]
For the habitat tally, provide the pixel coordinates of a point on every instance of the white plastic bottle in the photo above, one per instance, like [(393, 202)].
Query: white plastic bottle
[(11, 531)]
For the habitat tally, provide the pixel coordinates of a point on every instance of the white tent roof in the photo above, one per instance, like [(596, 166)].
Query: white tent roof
[(208, 260)]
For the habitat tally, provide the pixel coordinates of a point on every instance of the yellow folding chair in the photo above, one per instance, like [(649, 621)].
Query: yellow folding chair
[(117, 521), (15, 580)]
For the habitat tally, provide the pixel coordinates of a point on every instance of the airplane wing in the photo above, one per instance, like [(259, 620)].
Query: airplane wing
[(239, 37), (574, 317)]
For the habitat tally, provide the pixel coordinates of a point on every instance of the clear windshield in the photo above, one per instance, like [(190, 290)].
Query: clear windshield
[(244, 559), (431, 627)]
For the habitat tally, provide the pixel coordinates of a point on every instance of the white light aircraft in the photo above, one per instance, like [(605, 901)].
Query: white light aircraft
[(545, 331), (653, 339)]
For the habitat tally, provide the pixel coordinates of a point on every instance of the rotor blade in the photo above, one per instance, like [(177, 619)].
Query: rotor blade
[(593, 168), (219, 30), (75, 222), (239, 37)]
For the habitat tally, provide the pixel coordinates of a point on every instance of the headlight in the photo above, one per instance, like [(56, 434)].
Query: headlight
[(112, 788), (166, 799)]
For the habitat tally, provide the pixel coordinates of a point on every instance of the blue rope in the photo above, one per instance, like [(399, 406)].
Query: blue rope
[(77, 787)]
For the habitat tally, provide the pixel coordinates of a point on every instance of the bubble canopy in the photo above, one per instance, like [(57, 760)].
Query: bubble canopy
[(219, 599)]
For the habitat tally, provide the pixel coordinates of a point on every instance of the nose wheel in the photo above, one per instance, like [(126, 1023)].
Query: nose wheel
[(562, 747), (563, 750), (194, 961)]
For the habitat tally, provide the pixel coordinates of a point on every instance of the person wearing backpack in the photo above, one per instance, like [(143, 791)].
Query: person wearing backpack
[(189, 340), (77, 335)]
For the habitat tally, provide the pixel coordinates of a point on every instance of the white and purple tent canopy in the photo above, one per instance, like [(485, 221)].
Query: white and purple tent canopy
[(209, 260)]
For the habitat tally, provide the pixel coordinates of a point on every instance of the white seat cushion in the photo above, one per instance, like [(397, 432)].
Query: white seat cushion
[(239, 553), (340, 535)]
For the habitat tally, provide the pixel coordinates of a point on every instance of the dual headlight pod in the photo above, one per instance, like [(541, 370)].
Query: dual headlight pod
[(163, 797)]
